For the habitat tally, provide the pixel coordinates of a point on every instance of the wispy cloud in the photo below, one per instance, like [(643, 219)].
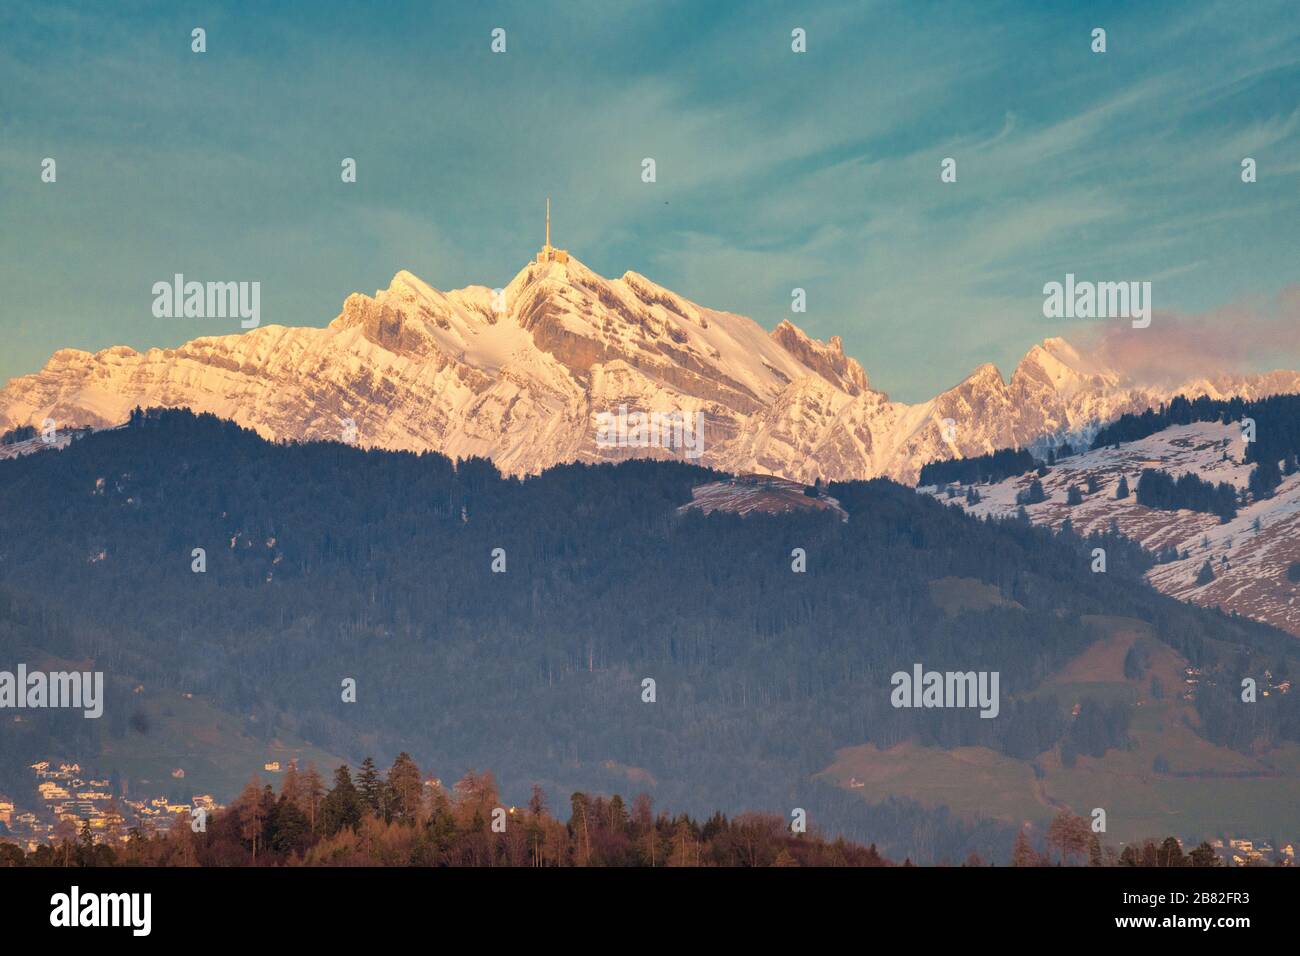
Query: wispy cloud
[(1241, 337), (776, 170)]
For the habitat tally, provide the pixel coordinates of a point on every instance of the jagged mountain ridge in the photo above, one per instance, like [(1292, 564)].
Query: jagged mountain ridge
[(520, 378)]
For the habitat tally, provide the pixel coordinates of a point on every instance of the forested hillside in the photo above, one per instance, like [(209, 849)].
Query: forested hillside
[(326, 562)]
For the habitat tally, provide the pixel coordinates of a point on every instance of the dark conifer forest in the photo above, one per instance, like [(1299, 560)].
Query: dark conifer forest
[(978, 469), (1159, 489)]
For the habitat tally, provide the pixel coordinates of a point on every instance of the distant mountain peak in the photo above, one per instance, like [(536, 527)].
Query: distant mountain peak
[(985, 374), (827, 359)]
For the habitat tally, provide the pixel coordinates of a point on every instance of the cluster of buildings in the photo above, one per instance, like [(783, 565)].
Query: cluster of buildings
[(67, 795), (1275, 685), (1192, 677), (1241, 852)]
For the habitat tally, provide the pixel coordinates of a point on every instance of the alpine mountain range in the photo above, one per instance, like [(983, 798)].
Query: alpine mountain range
[(521, 374)]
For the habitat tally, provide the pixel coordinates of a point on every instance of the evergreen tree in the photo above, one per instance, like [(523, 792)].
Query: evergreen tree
[(290, 829), (1070, 835), (1203, 855), (1264, 479), (86, 845), (1095, 855), (1171, 854), (1033, 494), (370, 786), (342, 806), (1023, 854), (537, 801)]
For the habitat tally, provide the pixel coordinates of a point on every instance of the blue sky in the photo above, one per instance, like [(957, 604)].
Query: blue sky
[(775, 170)]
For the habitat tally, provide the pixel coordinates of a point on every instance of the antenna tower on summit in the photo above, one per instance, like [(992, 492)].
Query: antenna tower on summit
[(548, 252)]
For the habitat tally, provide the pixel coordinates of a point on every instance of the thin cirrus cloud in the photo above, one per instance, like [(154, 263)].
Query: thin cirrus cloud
[(1256, 334)]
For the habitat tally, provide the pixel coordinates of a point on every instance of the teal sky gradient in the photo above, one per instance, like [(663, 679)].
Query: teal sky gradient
[(775, 170)]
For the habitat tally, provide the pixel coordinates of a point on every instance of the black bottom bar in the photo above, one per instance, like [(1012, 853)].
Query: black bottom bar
[(352, 906)]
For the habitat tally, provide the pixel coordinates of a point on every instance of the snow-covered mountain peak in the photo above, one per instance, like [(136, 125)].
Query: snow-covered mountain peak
[(411, 287), (1055, 362), (1063, 351), (1041, 366), (986, 375), (827, 359)]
